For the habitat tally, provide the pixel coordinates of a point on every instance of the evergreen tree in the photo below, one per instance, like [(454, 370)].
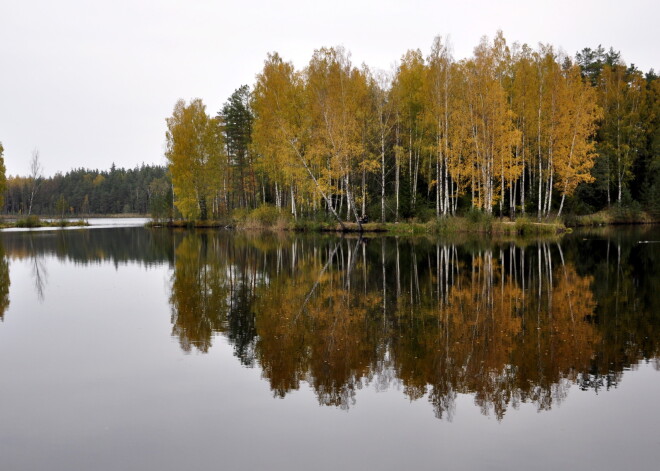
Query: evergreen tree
[(235, 120)]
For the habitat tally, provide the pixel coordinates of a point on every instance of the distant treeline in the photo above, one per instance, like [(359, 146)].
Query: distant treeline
[(84, 191), (512, 130)]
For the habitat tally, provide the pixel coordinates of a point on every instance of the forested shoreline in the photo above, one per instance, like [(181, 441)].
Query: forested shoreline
[(511, 131), (84, 192)]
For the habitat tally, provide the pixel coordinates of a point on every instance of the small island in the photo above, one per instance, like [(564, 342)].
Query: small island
[(32, 221)]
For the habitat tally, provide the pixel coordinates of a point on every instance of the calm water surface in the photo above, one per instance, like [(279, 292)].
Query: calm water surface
[(134, 349)]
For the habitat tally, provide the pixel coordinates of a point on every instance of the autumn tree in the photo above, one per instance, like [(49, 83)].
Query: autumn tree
[(411, 130), (575, 150), (523, 96), (336, 98), (440, 114), (383, 123), (283, 132), (622, 98), (492, 133), (196, 160), (510, 127)]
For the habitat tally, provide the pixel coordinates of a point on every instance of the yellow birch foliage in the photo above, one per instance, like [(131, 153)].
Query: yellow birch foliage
[(195, 157), (575, 150)]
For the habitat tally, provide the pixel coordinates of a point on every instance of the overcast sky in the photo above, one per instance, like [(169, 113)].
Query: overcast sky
[(89, 83)]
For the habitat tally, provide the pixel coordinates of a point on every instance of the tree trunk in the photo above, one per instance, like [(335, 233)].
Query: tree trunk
[(522, 183), (318, 187), (437, 185), (351, 203), (294, 211), (382, 177), (364, 192)]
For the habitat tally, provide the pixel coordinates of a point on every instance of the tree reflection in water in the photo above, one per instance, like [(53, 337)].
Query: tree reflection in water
[(4, 282), (507, 323)]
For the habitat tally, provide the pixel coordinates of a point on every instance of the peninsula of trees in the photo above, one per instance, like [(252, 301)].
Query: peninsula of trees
[(509, 131)]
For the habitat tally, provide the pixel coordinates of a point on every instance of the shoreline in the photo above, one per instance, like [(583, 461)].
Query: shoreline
[(26, 224), (474, 223), (445, 226), (14, 217)]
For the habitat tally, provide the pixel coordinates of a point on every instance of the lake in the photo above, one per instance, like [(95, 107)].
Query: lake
[(135, 349)]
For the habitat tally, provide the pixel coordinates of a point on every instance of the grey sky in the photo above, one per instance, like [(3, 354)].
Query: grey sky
[(89, 83)]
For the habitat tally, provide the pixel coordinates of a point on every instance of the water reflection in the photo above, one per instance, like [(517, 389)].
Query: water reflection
[(119, 246), (506, 323), (4, 282), (88, 246)]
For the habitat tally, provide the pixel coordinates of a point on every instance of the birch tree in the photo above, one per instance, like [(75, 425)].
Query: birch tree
[(408, 93), (35, 178), (622, 95), (379, 84), (337, 105), (439, 112), (492, 133), (575, 149), (282, 127), (196, 159)]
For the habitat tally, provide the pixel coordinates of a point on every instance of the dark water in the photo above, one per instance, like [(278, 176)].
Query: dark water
[(135, 349)]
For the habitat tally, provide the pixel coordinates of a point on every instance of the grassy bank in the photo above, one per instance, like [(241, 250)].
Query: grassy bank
[(181, 224), (613, 216), (269, 218), (35, 221)]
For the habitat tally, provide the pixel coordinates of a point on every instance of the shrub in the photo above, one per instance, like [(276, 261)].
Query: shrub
[(306, 225), (479, 220), (30, 221), (265, 215), (446, 225), (526, 226), (571, 220), (240, 215), (424, 214), (627, 212)]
